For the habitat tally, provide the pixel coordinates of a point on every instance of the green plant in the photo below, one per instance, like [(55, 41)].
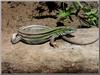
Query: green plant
[(89, 16), (65, 14)]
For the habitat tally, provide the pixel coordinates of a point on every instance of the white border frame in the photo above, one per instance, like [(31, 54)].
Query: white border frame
[(42, 73)]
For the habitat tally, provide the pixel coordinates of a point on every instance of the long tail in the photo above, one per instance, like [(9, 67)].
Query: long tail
[(70, 41)]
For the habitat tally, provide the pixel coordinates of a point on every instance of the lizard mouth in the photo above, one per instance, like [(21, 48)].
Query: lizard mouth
[(72, 30)]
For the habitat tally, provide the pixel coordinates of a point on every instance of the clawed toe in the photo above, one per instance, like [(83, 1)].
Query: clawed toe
[(54, 45)]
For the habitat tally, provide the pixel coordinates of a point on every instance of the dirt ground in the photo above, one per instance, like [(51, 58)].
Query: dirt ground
[(24, 58)]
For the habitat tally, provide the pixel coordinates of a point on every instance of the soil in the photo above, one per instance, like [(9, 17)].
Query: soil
[(24, 58)]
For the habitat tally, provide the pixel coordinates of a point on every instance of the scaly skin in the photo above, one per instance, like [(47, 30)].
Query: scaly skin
[(45, 34)]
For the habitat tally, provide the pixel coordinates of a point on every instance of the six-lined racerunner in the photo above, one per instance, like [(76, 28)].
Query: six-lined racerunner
[(38, 34)]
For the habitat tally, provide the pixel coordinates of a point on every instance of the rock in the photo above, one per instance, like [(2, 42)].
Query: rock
[(68, 58)]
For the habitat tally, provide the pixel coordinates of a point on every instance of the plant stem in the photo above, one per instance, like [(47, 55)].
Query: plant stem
[(78, 1)]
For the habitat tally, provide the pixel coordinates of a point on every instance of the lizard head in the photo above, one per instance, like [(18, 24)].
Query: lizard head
[(67, 30)]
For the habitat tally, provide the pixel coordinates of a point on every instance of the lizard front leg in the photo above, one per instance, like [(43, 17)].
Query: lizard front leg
[(52, 42)]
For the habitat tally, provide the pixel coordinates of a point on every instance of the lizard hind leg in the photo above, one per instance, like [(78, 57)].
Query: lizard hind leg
[(52, 42)]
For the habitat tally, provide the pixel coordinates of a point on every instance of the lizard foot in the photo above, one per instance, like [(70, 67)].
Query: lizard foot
[(54, 45)]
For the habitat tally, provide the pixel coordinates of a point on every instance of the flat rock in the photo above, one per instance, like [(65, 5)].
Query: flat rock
[(24, 58)]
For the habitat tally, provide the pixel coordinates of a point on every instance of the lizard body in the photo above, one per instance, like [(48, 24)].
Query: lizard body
[(38, 34)]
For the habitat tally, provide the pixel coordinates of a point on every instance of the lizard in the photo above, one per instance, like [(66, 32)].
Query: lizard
[(38, 34)]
